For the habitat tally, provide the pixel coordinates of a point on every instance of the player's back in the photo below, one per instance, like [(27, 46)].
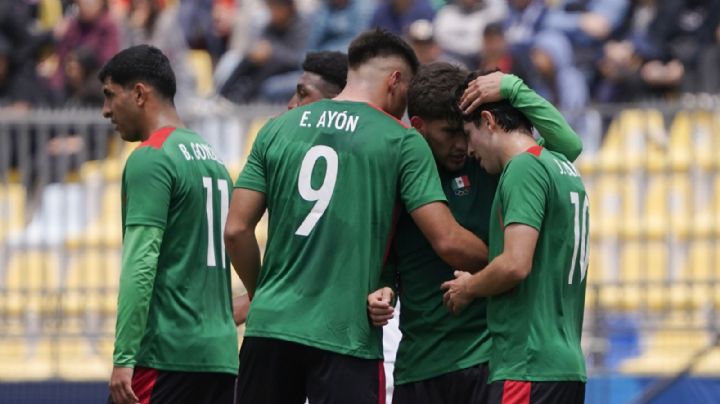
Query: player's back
[(332, 172), (536, 326), (185, 190)]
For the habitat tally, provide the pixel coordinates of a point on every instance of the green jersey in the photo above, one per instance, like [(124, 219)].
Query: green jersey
[(536, 326), (174, 182), (433, 341), (332, 172)]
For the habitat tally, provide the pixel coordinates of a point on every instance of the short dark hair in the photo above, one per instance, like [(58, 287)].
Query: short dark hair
[(432, 92), (506, 116), (144, 63), (378, 42), (331, 66)]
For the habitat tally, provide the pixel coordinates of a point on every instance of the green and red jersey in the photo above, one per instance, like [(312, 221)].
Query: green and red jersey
[(332, 173), (176, 315)]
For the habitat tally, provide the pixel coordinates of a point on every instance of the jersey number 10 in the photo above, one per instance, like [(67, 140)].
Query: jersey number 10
[(222, 186), (581, 237), (322, 195)]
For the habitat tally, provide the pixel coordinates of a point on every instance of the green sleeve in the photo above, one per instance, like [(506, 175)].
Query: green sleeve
[(524, 190), (557, 135), (149, 177), (253, 174), (141, 248), (419, 179)]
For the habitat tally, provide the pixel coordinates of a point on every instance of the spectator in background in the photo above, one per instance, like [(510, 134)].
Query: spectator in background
[(495, 53), (236, 23), (93, 28), (151, 22), (278, 50), (397, 15), (196, 21), (18, 88), (337, 22), (587, 24), (82, 88), (420, 36), (459, 26), (546, 58)]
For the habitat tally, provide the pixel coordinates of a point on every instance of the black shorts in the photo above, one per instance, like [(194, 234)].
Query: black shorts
[(275, 371), (153, 386), (517, 392), (462, 386)]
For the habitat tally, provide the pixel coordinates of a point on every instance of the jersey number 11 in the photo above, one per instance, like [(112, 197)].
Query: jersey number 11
[(222, 186)]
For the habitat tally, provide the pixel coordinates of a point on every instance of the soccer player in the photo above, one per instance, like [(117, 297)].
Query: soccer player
[(324, 76), (175, 340), (443, 358), (330, 174), (535, 280)]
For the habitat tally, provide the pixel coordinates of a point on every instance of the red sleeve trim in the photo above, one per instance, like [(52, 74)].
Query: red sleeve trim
[(535, 150), (404, 125), (157, 138)]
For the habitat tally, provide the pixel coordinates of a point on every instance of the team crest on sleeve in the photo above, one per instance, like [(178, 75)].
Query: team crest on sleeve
[(461, 185)]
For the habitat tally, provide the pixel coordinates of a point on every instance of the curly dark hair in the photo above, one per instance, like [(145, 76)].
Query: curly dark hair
[(379, 42), (141, 63), (331, 66), (431, 95), (506, 116)]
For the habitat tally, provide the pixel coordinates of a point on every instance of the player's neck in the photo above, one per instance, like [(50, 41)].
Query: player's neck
[(514, 144), (164, 117)]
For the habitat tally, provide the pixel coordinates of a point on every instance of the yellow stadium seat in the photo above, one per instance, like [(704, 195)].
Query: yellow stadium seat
[(12, 209), (669, 349), (106, 230), (605, 207), (680, 208), (692, 141), (81, 359), (681, 142), (656, 224), (92, 282), (626, 143), (705, 222), (630, 221), (31, 283), (22, 359), (692, 289), (201, 64), (50, 14), (709, 364)]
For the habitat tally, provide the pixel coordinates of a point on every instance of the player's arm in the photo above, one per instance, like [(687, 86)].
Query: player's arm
[(523, 197), (556, 132), (453, 243), (241, 306), (148, 182), (141, 249), (502, 274), (246, 209)]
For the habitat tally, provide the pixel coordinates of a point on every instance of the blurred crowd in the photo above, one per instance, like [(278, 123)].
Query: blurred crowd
[(573, 52)]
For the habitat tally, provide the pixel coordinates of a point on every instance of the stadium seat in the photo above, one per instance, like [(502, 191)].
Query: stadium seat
[(626, 143), (669, 349), (23, 359), (201, 64), (605, 207), (104, 231), (693, 288), (81, 359), (31, 283), (12, 209), (92, 282)]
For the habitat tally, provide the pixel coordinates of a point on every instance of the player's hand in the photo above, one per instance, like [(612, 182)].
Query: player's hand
[(121, 386), (380, 307), (241, 306), (261, 52), (457, 292), (481, 90)]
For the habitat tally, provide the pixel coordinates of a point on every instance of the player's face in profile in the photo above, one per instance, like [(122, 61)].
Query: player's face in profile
[(118, 107), (479, 147), (308, 89), (448, 144)]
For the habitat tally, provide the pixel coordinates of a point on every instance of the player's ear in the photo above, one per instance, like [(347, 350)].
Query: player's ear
[(417, 123), (488, 120), (140, 93), (394, 79)]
